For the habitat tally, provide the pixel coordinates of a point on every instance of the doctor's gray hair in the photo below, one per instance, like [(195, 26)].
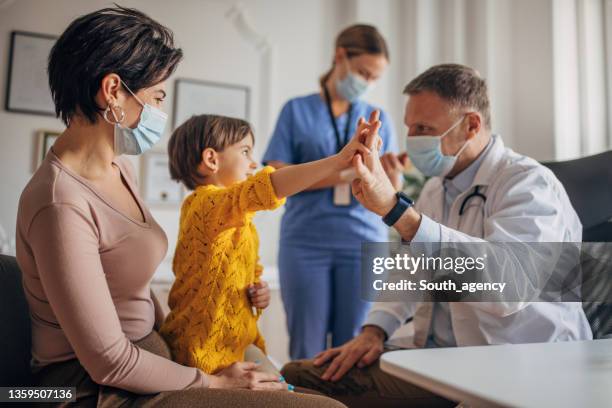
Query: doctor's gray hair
[(460, 85)]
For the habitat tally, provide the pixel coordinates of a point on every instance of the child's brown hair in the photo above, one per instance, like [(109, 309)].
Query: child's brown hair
[(189, 140)]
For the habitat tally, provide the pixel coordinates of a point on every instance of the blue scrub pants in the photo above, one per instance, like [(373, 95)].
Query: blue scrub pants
[(321, 293)]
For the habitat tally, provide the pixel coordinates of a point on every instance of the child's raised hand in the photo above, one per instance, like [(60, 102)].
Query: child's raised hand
[(358, 144), (259, 294), (369, 135)]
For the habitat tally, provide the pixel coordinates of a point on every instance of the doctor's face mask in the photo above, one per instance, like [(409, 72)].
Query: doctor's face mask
[(425, 152)]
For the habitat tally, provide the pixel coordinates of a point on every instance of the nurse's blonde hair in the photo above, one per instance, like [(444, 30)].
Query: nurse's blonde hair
[(357, 40)]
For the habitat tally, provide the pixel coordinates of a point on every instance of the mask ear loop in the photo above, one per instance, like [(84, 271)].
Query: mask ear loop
[(133, 94), (451, 128), (463, 148)]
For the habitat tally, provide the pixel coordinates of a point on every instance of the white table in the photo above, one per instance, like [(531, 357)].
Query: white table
[(566, 374)]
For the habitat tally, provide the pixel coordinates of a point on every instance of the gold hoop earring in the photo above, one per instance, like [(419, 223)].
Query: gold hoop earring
[(111, 110)]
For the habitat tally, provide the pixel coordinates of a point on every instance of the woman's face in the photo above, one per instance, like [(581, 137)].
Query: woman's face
[(153, 96), (368, 66)]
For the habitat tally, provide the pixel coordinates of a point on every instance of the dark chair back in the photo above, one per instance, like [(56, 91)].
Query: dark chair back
[(588, 182), (15, 343)]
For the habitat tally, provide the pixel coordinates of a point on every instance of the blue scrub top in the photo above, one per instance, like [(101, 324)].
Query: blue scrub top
[(304, 133)]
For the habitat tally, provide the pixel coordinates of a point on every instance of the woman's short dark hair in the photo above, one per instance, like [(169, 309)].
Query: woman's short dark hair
[(116, 40), (188, 142)]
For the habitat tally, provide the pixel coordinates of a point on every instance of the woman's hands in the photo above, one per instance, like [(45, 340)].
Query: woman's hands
[(259, 294), (244, 375)]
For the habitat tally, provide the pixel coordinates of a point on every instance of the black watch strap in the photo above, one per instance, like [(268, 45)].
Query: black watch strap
[(403, 203)]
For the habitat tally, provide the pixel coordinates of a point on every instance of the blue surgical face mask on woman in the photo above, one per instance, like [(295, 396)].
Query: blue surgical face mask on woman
[(147, 133), (425, 152), (352, 86)]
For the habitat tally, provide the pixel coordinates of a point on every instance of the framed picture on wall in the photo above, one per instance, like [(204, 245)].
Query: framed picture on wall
[(27, 88), (158, 188), (195, 97), (46, 138)]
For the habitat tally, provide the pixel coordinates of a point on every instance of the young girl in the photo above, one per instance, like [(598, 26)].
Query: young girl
[(212, 319)]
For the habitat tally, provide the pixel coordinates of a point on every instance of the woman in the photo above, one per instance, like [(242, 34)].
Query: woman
[(322, 229), (87, 244)]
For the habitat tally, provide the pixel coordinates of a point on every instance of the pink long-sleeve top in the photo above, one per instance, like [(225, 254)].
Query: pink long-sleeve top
[(86, 271)]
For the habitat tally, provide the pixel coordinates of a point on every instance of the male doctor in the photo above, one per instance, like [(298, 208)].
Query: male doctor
[(516, 200)]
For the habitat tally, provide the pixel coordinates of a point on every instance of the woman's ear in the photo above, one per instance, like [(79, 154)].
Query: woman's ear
[(337, 56), (109, 90), (210, 161), (340, 55)]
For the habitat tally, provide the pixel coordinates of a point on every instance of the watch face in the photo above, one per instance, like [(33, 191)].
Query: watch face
[(402, 196)]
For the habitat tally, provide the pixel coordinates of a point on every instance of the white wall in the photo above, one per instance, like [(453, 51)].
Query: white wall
[(509, 41)]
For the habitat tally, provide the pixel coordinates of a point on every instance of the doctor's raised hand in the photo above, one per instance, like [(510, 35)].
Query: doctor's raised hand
[(373, 188)]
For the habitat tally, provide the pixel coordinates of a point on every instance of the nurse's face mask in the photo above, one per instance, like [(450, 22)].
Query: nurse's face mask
[(148, 131), (353, 86), (425, 152)]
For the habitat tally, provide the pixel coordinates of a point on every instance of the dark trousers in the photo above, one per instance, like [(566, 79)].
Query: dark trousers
[(89, 394), (363, 387)]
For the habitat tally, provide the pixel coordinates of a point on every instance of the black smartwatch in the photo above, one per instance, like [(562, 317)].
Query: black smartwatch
[(403, 203)]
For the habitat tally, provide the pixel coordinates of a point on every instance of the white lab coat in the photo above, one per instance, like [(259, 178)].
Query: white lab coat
[(525, 203)]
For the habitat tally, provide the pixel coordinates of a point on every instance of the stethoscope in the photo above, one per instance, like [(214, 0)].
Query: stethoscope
[(474, 194)]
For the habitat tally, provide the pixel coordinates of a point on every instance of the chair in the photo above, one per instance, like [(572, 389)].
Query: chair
[(15, 343), (588, 182)]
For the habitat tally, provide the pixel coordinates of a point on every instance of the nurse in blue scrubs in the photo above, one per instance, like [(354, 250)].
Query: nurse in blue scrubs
[(322, 229)]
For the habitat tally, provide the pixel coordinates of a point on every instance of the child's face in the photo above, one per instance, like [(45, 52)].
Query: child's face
[(236, 162)]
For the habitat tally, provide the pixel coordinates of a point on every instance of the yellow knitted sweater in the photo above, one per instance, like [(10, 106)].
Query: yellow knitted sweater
[(211, 320)]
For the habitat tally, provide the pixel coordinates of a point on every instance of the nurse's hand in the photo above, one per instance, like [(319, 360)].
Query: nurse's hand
[(363, 350), (372, 187)]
